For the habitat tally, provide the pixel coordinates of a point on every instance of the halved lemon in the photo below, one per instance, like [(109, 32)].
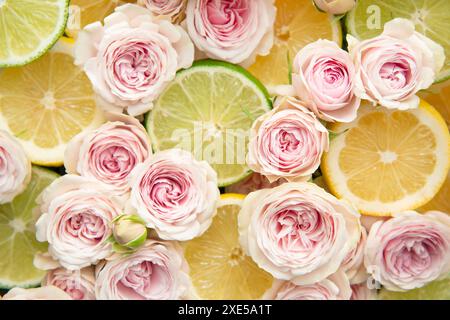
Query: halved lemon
[(218, 266), (47, 102), (440, 201), (297, 23), (438, 96), (388, 161), (84, 12)]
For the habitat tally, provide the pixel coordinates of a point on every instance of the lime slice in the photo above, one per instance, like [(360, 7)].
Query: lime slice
[(18, 244), (218, 267), (29, 28), (208, 109), (436, 290), (430, 17)]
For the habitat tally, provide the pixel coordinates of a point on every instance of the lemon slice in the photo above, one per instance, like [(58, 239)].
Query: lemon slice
[(388, 160), (18, 243), (29, 28), (438, 96), (440, 201), (47, 102), (84, 12), (297, 23), (430, 17), (219, 268)]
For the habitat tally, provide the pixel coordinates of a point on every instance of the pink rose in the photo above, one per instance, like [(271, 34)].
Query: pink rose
[(297, 231), (409, 250), (231, 30), (109, 153), (287, 142), (175, 194), (335, 6), (335, 287), (42, 293), (132, 58), (78, 284), (323, 77), (171, 8), (76, 215), (362, 292), (253, 182), (156, 271), (15, 168), (353, 264), (393, 67)]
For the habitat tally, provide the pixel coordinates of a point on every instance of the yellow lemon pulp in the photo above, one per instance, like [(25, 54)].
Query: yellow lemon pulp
[(218, 266), (388, 160)]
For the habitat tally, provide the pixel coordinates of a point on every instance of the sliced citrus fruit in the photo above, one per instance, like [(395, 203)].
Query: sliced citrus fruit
[(436, 290), (29, 28), (440, 201), (297, 23), (208, 109), (219, 268), (438, 96), (47, 102), (18, 243), (388, 160), (430, 17), (84, 12)]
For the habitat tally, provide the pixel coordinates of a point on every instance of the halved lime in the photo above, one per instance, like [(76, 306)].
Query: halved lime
[(18, 243), (208, 109), (28, 28), (431, 17), (436, 290)]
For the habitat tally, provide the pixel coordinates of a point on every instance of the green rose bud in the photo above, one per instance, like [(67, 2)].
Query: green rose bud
[(129, 231)]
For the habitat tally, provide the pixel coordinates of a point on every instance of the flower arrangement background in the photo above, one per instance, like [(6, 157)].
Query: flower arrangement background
[(127, 218)]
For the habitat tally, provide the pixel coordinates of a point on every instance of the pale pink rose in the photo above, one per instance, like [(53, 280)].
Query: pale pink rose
[(232, 30), (110, 152), (132, 57), (362, 292), (409, 250), (353, 264), (253, 182), (335, 6), (157, 271), (297, 231), (42, 293), (175, 9), (15, 168), (393, 67), (175, 194), (287, 142), (76, 214), (335, 287), (323, 77), (79, 284)]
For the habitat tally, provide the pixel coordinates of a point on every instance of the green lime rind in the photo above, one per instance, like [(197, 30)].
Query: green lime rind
[(50, 41), (17, 249), (436, 290), (367, 19), (219, 96)]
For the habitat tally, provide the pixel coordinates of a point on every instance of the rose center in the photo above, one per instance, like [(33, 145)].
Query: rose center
[(288, 140), (116, 159), (87, 227), (395, 75)]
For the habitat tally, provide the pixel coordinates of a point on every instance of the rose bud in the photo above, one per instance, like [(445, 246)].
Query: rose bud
[(323, 77), (156, 271), (76, 215), (335, 6), (298, 231), (175, 194), (409, 250), (393, 67), (231, 30), (132, 57), (174, 9), (287, 142), (15, 168), (109, 153), (42, 293), (335, 287), (129, 231)]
